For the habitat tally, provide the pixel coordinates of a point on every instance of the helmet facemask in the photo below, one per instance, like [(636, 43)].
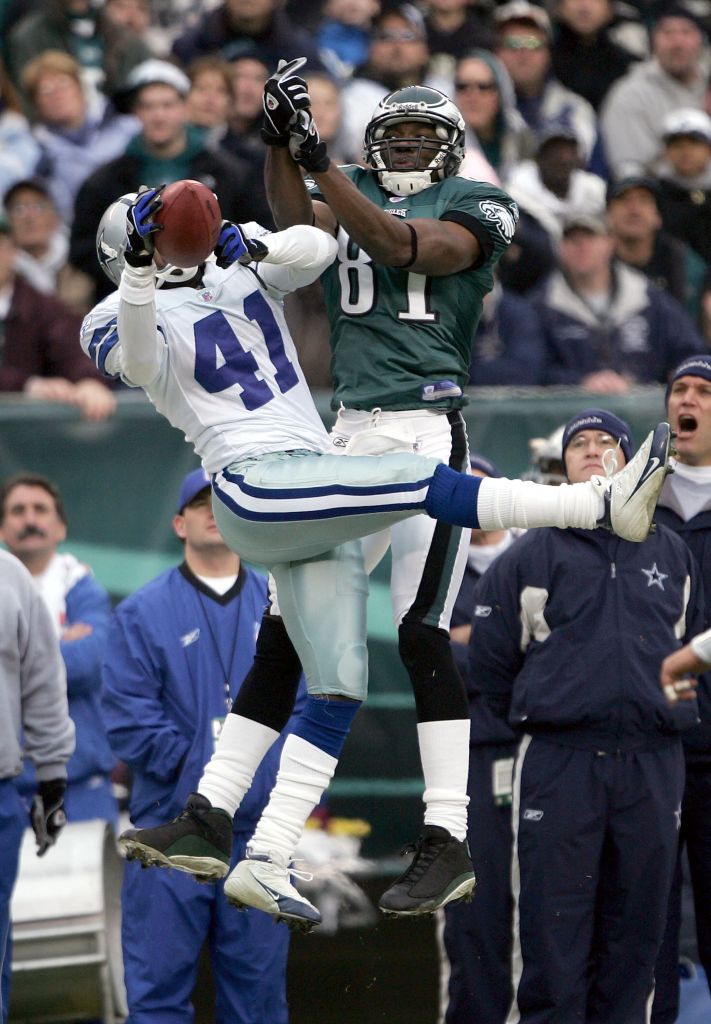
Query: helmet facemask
[(432, 159)]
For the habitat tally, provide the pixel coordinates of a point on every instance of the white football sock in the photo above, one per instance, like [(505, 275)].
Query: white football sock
[(228, 774), (503, 503), (444, 752), (304, 773)]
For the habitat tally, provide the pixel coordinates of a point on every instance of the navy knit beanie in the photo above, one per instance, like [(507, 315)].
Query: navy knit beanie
[(599, 419), (692, 366), (484, 465)]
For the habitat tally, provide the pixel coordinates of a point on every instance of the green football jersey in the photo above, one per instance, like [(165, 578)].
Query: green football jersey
[(402, 340)]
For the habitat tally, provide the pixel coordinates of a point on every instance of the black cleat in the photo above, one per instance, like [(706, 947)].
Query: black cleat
[(441, 872), (198, 841)]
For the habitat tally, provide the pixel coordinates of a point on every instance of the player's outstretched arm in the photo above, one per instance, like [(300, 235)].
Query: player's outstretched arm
[(137, 330)]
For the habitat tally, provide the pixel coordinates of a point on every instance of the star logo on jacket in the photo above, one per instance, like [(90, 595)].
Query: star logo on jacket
[(190, 638), (655, 578)]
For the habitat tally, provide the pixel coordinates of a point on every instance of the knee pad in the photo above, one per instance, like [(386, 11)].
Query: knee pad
[(439, 691), (268, 692)]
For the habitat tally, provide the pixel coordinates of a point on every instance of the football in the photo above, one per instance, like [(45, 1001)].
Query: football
[(191, 221)]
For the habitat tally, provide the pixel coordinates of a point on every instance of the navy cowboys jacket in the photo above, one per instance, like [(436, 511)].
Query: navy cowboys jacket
[(570, 629)]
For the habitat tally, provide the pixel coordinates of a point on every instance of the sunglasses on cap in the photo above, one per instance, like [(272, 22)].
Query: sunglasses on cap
[(475, 86), (523, 43), (393, 36)]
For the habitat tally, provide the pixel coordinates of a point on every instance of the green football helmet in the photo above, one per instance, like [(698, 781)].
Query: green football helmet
[(446, 152)]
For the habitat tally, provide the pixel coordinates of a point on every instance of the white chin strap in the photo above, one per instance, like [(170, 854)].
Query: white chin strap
[(406, 183), (174, 275)]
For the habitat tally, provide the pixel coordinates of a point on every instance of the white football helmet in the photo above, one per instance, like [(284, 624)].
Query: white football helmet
[(111, 242), (415, 103)]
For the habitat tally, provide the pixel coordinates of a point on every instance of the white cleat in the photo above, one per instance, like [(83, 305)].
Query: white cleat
[(262, 881), (631, 495)]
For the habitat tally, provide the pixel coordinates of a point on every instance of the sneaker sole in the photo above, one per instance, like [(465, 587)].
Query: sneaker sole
[(652, 480), (295, 921), (461, 892), (203, 869)]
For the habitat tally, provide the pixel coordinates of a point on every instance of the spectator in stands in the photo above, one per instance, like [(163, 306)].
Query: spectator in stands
[(494, 127), (209, 100), (533, 253), (248, 74), (40, 355), (343, 36), (477, 935), (398, 56), (75, 136), (327, 109), (606, 326), (672, 78), (242, 136), (523, 46), (508, 347), (684, 178), (34, 702), (555, 179), (130, 15), (585, 56), (42, 242), (234, 27), (178, 651), (105, 51), (456, 26), (33, 524), (167, 149), (19, 150), (640, 242)]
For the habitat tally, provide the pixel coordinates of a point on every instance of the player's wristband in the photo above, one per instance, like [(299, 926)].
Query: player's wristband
[(138, 284)]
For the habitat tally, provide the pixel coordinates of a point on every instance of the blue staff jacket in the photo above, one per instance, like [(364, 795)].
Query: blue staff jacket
[(570, 629), (171, 648)]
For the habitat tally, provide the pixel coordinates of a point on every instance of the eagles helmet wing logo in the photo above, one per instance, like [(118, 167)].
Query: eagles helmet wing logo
[(504, 217)]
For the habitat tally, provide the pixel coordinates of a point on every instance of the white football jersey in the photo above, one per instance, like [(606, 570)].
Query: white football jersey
[(229, 373)]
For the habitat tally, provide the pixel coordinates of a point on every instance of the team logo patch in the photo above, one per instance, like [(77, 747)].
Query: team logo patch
[(207, 295), (532, 815), (482, 611), (505, 218), (655, 578)]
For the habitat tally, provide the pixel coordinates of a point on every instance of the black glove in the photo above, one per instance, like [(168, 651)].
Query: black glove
[(234, 246), (140, 226), (285, 94), (47, 815), (305, 144)]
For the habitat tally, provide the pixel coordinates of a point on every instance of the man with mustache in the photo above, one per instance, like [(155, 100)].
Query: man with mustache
[(33, 524)]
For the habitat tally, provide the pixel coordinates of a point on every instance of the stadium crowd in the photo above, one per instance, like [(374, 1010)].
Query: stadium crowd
[(592, 115), (595, 117)]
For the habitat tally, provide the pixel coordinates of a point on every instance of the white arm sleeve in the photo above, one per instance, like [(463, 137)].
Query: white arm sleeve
[(141, 346), (297, 257), (701, 646)]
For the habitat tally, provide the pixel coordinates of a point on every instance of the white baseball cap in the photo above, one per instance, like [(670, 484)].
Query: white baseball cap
[(687, 121)]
